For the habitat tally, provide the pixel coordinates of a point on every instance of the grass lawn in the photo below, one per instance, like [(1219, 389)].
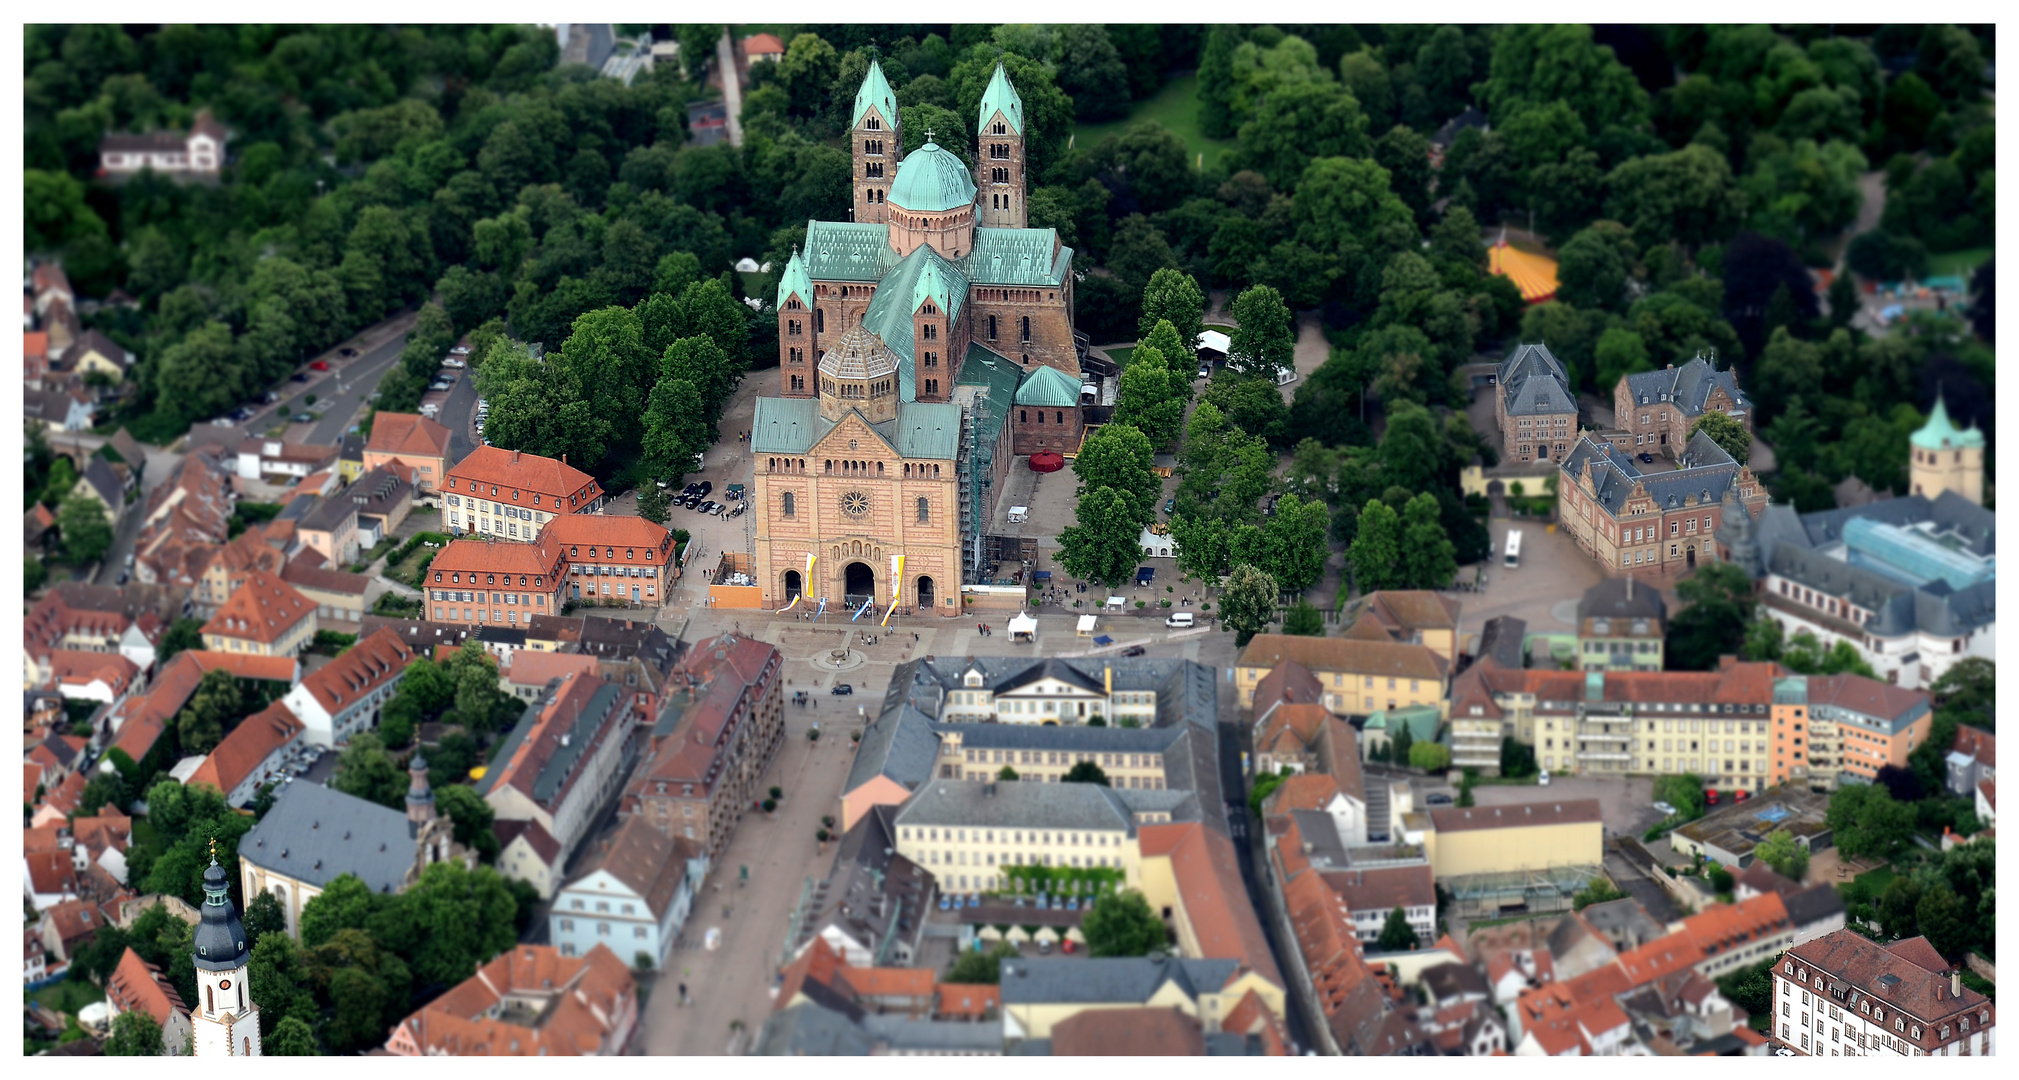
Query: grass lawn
[(1121, 356), (1957, 262), (1873, 883), (1176, 106), (69, 995)]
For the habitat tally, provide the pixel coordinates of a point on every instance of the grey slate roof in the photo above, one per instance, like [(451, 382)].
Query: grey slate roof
[(1814, 905), (1609, 599), (316, 834), (1533, 382), (901, 1034), (1047, 980), (899, 744), (330, 514), (1687, 387), (1020, 804), (1503, 639), (1048, 669), (106, 482), (1077, 739), (809, 1030), (1705, 472), (875, 895)]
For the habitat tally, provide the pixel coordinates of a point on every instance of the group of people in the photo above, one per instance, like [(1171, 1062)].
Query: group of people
[(984, 629)]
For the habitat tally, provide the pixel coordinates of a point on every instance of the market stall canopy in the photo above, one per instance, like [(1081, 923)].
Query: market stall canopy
[(1045, 461), (1534, 275)]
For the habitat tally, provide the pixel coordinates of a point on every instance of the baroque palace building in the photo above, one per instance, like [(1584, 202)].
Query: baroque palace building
[(906, 338)]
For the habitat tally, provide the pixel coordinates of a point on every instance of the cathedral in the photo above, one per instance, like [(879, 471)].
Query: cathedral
[(913, 343)]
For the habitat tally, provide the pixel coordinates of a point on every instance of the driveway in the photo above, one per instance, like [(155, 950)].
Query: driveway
[(1543, 590)]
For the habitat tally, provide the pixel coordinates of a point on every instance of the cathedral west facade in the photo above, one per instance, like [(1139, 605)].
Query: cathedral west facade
[(906, 338)]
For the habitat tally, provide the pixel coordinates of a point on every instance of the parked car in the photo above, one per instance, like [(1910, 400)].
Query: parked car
[(1646, 459), (738, 511), (448, 377), (347, 351), (1180, 620), (706, 487), (691, 489), (452, 362), (842, 689), (1170, 504), (1543, 779), (660, 484), (1205, 372), (1710, 796), (1437, 799), (1666, 809), (720, 509), (222, 421), (460, 350), (707, 507), (123, 575), (299, 376), (318, 365), (1133, 650), (269, 398)]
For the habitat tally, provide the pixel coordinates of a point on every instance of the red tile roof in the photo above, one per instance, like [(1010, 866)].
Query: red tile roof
[(1207, 874), (533, 667), (617, 535), (66, 796), (590, 994), (1139, 1032), (1868, 696), (407, 433), (889, 982), (73, 920), (510, 471), (73, 667), (1723, 927), (1977, 743), (265, 609), (969, 1001), (51, 873), (137, 984), (1340, 654), (361, 670), (1384, 888), (1304, 791), (470, 556), (247, 747), (246, 665), (762, 45)]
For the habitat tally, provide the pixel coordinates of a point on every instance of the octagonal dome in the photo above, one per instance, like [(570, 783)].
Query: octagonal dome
[(858, 354), (931, 179)]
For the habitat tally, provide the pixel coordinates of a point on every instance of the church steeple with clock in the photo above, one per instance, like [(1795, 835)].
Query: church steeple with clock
[(225, 1019)]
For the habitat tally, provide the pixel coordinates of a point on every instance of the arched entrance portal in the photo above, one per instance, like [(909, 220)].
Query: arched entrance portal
[(1690, 558), (859, 584), (793, 585), (925, 594)]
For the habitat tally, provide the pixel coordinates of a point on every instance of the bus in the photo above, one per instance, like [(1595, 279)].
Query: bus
[(1513, 548)]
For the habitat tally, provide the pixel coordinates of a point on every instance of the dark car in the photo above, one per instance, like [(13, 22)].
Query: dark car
[(1439, 799), (706, 487), (347, 351), (1170, 504), (842, 690), (304, 418), (1133, 650), (1647, 459), (299, 376), (691, 489)]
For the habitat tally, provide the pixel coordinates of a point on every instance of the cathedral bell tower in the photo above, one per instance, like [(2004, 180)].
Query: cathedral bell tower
[(999, 156), (875, 145), (225, 1019)]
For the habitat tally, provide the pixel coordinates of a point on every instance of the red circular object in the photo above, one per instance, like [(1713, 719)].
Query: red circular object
[(1046, 461)]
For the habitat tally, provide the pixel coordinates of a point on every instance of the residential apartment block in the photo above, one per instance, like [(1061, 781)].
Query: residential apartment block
[(1845, 995), (1621, 627), (476, 581), (612, 559), (265, 616), (1834, 728), (506, 495), (1714, 724), (346, 695), (716, 733), (1358, 677), (558, 771)]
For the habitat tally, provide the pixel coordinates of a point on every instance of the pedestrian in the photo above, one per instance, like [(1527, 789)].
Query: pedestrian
[(683, 993)]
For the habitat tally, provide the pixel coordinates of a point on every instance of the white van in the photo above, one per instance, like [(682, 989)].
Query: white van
[(1180, 620)]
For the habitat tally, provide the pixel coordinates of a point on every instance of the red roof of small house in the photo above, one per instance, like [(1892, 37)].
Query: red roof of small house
[(51, 873), (407, 433), (763, 45), (137, 984), (249, 744), (264, 609)]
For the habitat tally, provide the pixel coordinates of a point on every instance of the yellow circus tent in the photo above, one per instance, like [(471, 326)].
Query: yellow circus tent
[(1534, 275)]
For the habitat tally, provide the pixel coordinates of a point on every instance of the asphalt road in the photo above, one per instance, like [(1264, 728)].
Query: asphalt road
[(160, 465)]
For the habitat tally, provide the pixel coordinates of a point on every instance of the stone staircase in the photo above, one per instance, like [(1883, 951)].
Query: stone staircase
[(1377, 808)]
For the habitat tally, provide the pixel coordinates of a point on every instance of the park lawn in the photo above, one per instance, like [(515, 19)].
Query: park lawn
[(69, 995), (1121, 356), (1872, 884), (1176, 106), (1958, 263)]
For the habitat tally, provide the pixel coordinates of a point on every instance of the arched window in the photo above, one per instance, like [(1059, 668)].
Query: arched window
[(991, 328), (1024, 416), (1027, 328), (924, 511), (819, 321), (1061, 418), (830, 464), (788, 504)]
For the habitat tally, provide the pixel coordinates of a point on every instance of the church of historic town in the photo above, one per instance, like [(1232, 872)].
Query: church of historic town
[(921, 346)]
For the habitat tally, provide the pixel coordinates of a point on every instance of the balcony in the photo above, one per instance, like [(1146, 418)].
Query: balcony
[(1604, 755), (1608, 736)]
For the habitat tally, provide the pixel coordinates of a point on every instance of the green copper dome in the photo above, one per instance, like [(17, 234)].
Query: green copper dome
[(1940, 433), (931, 179)]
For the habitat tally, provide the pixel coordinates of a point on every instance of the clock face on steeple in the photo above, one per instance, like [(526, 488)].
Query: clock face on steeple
[(855, 504)]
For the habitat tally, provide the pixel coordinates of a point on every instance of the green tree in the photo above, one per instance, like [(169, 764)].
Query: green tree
[(1248, 602), (1429, 559), (1517, 758), (1430, 757), (33, 575), (217, 704), (365, 770), (1620, 352), (1091, 70), (1688, 196), (181, 635), (1173, 296), (1750, 988), (1086, 772), (1593, 267), (1684, 791), (974, 967), (292, 1037), (1122, 924), (1119, 456), (263, 916), (1102, 545), (460, 918), (1730, 435), (1153, 396), (1780, 851), (1298, 124), (1542, 63), (1867, 821), (1304, 620), (1376, 552), (1265, 340), (1396, 933), (1969, 686), (1006, 773), (1718, 605), (1598, 890), (807, 72), (87, 533), (134, 1034)]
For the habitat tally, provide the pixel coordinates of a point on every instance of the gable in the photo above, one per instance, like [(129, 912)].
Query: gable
[(601, 884), (853, 427)]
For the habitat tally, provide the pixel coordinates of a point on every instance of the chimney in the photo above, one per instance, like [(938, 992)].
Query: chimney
[(1956, 983), (515, 457)]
